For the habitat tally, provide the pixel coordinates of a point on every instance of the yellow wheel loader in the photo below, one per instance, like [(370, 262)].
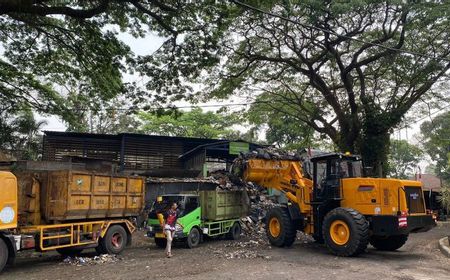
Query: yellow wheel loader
[(337, 206)]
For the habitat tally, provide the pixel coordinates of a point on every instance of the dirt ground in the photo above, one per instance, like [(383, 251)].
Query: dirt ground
[(420, 259)]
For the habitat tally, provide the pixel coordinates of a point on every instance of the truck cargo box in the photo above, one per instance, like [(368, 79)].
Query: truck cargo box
[(221, 205), (73, 195), (67, 195)]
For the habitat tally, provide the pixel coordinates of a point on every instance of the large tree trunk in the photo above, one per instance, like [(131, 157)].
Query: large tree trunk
[(374, 148)]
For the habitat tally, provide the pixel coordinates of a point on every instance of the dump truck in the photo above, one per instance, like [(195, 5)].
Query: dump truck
[(208, 213), (67, 211), (338, 206)]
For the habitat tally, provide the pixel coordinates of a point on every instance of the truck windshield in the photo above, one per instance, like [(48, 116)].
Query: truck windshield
[(186, 204)]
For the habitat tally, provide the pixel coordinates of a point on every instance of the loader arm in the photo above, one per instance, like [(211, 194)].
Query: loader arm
[(283, 175)]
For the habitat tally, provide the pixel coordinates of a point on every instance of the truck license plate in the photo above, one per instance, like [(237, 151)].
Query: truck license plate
[(160, 235)]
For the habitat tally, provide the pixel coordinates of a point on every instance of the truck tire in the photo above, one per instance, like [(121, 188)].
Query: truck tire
[(99, 249), (4, 253), (70, 251), (346, 232), (115, 240), (280, 229), (193, 238), (161, 242), (388, 243), (235, 231)]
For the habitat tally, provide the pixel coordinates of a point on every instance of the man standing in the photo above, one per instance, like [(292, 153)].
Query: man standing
[(170, 218)]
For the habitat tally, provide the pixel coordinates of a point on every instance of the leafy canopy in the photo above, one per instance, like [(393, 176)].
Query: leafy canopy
[(403, 159), (344, 67), (436, 137), (194, 123)]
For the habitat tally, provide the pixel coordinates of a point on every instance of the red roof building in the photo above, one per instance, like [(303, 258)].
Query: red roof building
[(429, 181)]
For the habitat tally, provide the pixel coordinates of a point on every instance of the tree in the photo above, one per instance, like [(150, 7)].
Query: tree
[(444, 198), (58, 54), (436, 138), (403, 159), (194, 123), (347, 68), (282, 129), (111, 117), (19, 134)]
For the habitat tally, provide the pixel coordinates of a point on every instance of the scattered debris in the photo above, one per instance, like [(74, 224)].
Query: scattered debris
[(80, 261)]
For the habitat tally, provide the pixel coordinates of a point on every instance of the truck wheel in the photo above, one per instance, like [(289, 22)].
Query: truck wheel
[(280, 229), (346, 232), (3, 254), (161, 242), (99, 249), (388, 243), (115, 240), (69, 251), (193, 238), (235, 231)]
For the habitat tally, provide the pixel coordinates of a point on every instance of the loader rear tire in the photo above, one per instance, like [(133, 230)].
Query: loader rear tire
[(389, 243), (281, 230), (346, 232), (4, 253)]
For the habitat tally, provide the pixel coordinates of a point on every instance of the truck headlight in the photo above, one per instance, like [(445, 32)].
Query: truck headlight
[(178, 227)]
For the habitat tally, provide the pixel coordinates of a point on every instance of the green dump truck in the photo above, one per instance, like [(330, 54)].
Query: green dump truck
[(207, 213)]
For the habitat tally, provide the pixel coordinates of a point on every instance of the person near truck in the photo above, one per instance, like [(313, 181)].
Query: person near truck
[(171, 220)]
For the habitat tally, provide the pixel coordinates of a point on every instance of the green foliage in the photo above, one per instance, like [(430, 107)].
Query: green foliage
[(283, 126), (444, 197), (436, 137), (60, 57), (19, 134), (194, 123), (403, 159), (353, 92), (111, 117)]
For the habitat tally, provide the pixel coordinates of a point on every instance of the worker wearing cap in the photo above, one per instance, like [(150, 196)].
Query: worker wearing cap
[(170, 218)]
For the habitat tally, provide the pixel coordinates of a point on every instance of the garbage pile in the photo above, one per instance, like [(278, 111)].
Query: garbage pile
[(271, 153), (80, 261)]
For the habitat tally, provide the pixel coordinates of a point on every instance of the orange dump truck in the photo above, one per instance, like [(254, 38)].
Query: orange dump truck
[(67, 211)]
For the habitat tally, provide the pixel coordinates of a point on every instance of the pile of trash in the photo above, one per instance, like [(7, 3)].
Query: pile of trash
[(271, 153), (80, 261)]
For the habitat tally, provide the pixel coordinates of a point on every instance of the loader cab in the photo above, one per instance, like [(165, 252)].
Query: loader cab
[(329, 169)]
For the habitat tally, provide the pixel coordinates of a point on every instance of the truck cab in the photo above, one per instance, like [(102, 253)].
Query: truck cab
[(209, 213), (189, 216)]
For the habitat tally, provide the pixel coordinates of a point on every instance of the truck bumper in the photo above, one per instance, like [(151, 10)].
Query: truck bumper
[(389, 225), (177, 235)]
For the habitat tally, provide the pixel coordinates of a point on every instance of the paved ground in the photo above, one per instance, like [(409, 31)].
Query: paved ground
[(418, 259)]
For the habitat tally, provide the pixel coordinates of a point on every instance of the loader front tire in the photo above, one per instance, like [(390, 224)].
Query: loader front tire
[(280, 229), (345, 232)]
